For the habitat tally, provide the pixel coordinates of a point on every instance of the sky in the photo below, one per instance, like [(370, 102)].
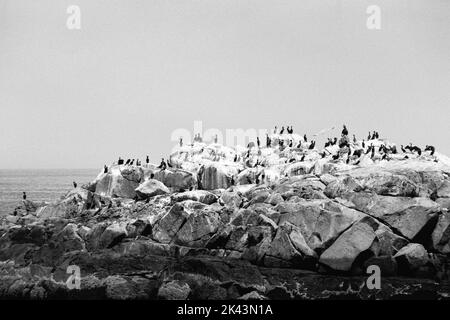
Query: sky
[(137, 71)]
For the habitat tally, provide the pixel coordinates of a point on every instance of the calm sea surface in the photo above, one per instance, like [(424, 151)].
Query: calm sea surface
[(40, 185)]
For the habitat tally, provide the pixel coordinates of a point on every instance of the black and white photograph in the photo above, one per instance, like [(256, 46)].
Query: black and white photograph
[(217, 156)]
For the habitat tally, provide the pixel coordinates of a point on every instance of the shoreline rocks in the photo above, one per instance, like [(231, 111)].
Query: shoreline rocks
[(215, 227)]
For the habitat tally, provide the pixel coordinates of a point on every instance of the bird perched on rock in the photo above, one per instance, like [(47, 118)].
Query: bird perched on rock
[(268, 141), (431, 149), (417, 149), (162, 165), (282, 130), (358, 153), (344, 131)]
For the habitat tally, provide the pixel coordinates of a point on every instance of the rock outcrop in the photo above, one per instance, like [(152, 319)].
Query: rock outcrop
[(273, 222)]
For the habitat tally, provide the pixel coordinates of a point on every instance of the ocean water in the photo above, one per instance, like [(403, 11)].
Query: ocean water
[(40, 185)]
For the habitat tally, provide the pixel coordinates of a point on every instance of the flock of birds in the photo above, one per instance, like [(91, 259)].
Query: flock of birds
[(350, 153)]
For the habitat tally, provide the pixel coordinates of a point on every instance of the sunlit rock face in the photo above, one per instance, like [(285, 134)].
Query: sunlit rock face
[(262, 217)]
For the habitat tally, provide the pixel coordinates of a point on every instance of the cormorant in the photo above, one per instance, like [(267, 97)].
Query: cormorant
[(268, 141), (417, 149), (358, 152), (282, 130), (74, 184), (24, 196), (162, 165), (344, 131), (431, 149)]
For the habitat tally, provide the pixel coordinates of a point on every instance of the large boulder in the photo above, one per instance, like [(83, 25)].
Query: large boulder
[(120, 181), (306, 188), (202, 196), (413, 256), (170, 223), (370, 180), (231, 199), (112, 235), (174, 290), (214, 175), (151, 188), (176, 179), (289, 249), (320, 221), (365, 237), (62, 209), (407, 215), (441, 234), (198, 228)]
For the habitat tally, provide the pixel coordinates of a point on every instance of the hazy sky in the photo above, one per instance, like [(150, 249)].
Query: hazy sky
[(138, 70)]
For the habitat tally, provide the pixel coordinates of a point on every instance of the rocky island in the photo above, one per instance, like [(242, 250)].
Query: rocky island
[(287, 220)]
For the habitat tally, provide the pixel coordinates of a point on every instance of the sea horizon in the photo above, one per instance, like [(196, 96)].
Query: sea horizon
[(40, 184)]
